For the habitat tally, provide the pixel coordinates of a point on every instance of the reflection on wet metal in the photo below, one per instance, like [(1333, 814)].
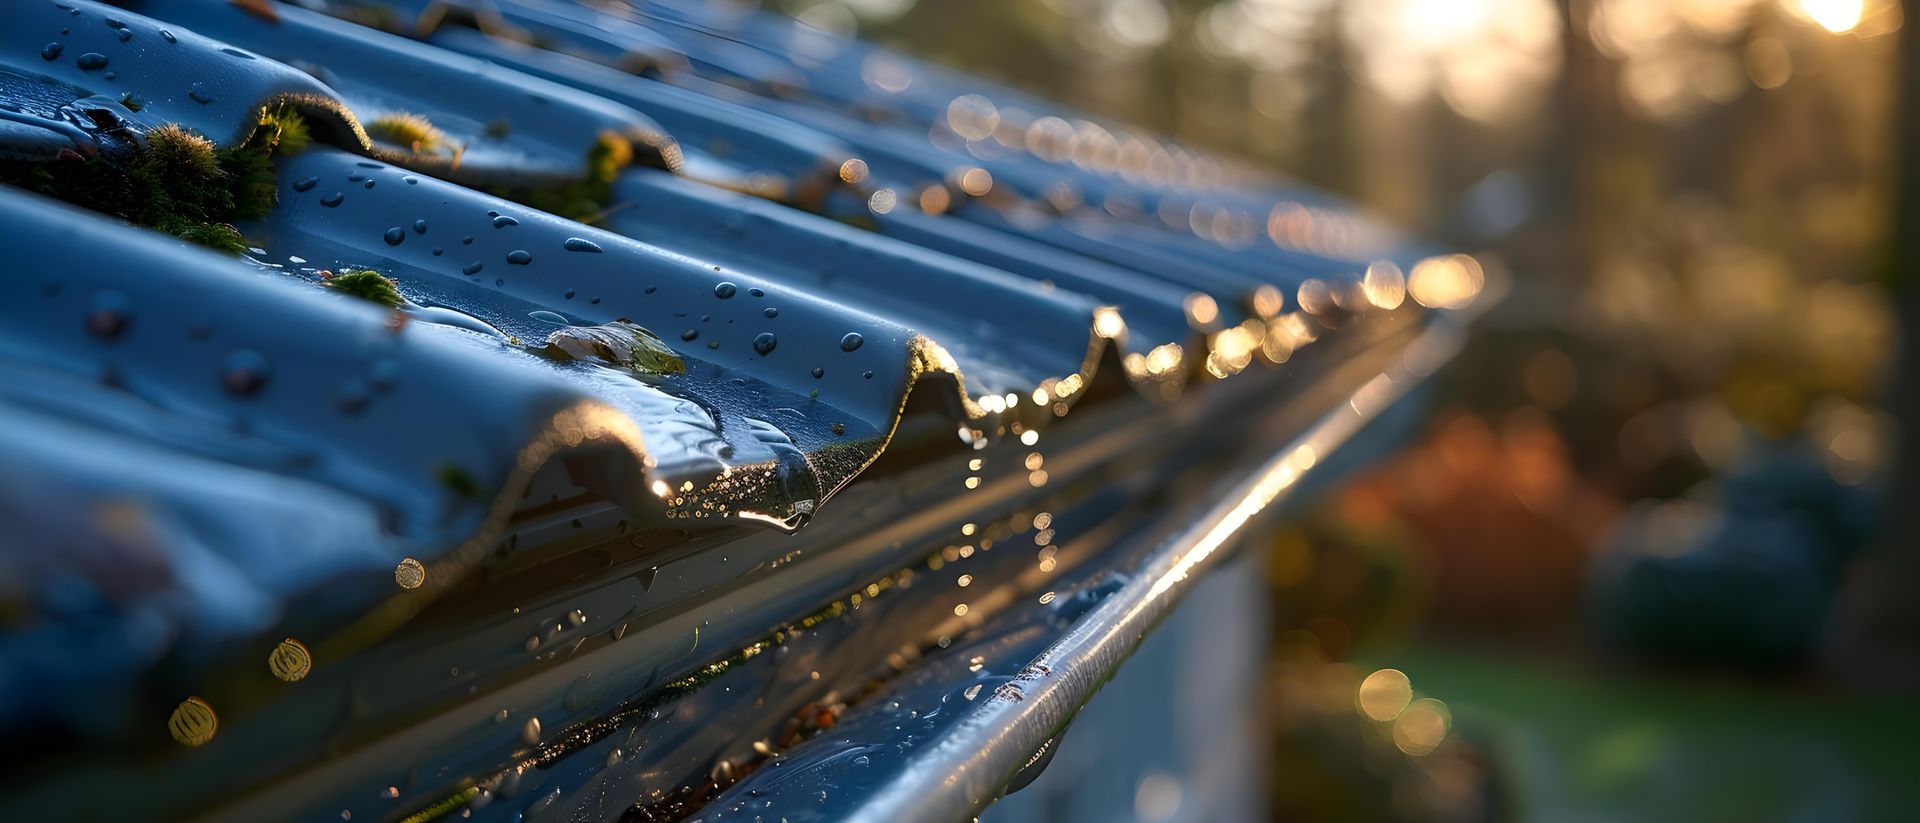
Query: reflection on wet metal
[(508, 425), (290, 660), (1450, 282), (193, 722), (410, 574)]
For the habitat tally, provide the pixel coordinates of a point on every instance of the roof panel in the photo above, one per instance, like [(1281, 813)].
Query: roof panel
[(208, 451)]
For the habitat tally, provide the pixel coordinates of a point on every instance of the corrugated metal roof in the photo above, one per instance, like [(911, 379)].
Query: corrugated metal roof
[(207, 451)]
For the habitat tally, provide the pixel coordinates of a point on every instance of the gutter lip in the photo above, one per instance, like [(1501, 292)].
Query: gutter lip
[(956, 776)]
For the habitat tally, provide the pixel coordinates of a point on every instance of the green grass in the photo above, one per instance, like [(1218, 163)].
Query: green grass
[(1617, 746)]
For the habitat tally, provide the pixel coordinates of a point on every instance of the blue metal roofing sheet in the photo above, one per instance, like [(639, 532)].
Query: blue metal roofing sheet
[(208, 452)]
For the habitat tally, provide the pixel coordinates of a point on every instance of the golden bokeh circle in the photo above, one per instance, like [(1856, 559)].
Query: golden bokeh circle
[(1422, 727), (193, 722), (1384, 694), (290, 660), (410, 574)]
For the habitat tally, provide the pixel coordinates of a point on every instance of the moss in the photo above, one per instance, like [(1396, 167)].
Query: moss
[(458, 481), (281, 130), (373, 17), (252, 186), (410, 131), (371, 286), (249, 166), (587, 198), (610, 154), (185, 157), (213, 235), (178, 182)]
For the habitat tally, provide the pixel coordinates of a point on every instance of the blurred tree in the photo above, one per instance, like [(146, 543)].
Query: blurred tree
[(1882, 641)]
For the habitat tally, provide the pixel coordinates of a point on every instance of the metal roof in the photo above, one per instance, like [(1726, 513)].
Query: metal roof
[(207, 453)]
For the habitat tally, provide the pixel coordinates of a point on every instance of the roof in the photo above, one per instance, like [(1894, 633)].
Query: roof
[(787, 244)]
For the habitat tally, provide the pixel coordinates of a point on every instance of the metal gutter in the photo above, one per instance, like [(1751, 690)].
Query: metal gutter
[(954, 774)]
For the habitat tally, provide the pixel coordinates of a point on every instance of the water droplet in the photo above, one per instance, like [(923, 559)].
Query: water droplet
[(577, 617), (395, 235), (419, 227), (531, 731), (504, 221), (332, 200), (245, 371), (231, 52), (305, 183), (91, 60), (168, 36), (568, 294), (724, 290), (851, 341), (51, 51), (765, 342), (690, 334), (757, 292), (771, 312), (582, 244), (472, 269), (519, 257), (354, 396), (819, 373), (110, 316), (384, 373), (199, 93)]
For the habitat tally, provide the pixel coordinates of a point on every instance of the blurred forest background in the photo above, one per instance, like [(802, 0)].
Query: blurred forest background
[(1636, 566)]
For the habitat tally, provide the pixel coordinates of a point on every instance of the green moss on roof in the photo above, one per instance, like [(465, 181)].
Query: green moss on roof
[(409, 131), (585, 199), (367, 285), (177, 181)]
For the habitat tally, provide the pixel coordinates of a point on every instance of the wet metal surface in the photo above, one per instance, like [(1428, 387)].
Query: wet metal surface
[(616, 410)]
